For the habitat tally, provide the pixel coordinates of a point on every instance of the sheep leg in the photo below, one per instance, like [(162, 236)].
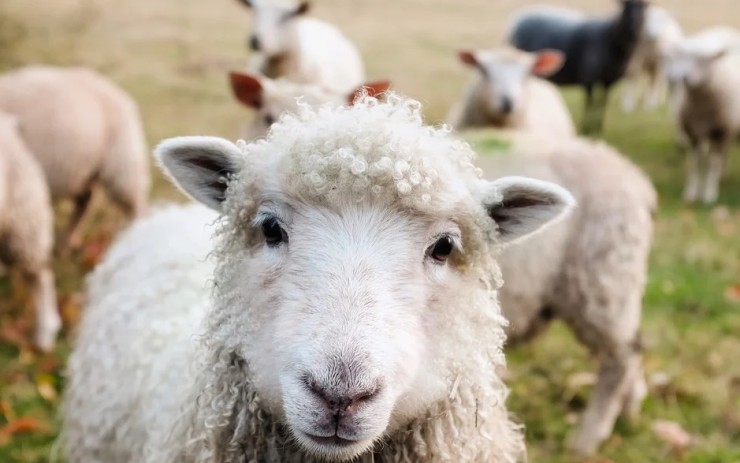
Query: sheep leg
[(73, 235), (630, 94), (48, 321), (717, 157), (617, 376), (588, 110), (694, 165), (657, 90)]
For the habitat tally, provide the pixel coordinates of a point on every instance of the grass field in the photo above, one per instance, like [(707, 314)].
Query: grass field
[(172, 56)]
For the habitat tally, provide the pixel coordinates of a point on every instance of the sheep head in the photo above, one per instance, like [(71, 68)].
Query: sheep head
[(270, 23), (357, 275)]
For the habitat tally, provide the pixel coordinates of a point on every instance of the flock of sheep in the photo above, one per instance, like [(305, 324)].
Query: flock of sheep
[(345, 288)]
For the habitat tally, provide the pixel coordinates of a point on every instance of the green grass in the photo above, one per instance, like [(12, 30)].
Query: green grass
[(172, 56)]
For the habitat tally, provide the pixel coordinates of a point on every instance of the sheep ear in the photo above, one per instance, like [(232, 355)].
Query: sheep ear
[(200, 166), (373, 89), (247, 3), (547, 63), (521, 206), (468, 57), (247, 89)]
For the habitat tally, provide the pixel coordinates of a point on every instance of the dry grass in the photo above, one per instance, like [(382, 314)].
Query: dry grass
[(172, 56)]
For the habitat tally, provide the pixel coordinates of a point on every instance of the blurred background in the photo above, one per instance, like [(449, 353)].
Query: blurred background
[(173, 56)]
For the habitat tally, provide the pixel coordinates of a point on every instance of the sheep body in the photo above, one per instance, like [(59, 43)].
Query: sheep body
[(83, 131), (230, 396), (707, 65), (304, 50), (26, 229), (645, 76), (597, 50), (532, 104), (589, 270)]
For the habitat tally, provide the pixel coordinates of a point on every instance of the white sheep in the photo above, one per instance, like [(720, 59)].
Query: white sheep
[(353, 315), (286, 43), (645, 79), (26, 228), (588, 270), (506, 93), (84, 131), (270, 98), (707, 66)]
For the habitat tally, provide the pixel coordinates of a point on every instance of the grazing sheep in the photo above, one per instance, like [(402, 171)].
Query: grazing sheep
[(271, 98), (84, 131), (588, 270), (286, 43), (505, 93), (353, 315), (597, 51), (645, 78), (26, 228)]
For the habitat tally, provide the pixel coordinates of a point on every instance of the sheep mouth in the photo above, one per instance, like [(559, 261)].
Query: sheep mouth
[(331, 441)]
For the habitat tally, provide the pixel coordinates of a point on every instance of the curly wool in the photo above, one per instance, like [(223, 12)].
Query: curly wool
[(338, 156)]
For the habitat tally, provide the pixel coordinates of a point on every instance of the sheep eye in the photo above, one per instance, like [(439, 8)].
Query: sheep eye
[(274, 233), (269, 120), (442, 249)]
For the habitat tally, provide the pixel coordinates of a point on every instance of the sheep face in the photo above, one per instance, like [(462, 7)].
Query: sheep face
[(691, 66), (342, 299), (270, 25), (505, 74)]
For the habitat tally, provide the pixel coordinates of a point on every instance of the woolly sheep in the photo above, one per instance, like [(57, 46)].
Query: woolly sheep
[(589, 270), (707, 65), (597, 50), (26, 229), (286, 43), (270, 98), (84, 131), (506, 93), (645, 79), (353, 315)]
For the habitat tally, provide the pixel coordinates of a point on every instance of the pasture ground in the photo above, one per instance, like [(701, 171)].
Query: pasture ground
[(172, 56)]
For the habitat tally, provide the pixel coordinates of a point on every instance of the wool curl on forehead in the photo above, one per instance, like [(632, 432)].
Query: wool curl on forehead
[(371, 152)]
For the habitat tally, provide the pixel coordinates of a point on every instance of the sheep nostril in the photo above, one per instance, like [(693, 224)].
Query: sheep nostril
[(254, 43), (506, 105)]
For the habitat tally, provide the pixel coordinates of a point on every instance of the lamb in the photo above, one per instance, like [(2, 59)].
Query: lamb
[(286, 43), (645, 77), (353, 315), (271, 98), (597, 51), (505, 93), (588, 270), (707, 65), (84, 131), (26, 229)]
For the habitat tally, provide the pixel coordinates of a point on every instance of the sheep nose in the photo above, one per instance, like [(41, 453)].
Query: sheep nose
[(254, 43), (506, 105), (344, 403)]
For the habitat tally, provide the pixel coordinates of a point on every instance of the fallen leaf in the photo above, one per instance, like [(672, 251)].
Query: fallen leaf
[(70, 308), (732, 293), (674, 435), (25, 424), (45, 386)]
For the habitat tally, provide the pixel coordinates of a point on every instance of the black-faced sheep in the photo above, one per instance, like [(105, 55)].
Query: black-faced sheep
[(353, 315), (597, 51)]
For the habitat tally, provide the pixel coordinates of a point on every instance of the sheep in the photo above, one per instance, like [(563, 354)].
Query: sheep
[(588, 270), (707, 65), (271, 98), (597, 51), (505, 93), (26, 229), (660, 32), (286, 43), (84, 131), (353, 315)]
